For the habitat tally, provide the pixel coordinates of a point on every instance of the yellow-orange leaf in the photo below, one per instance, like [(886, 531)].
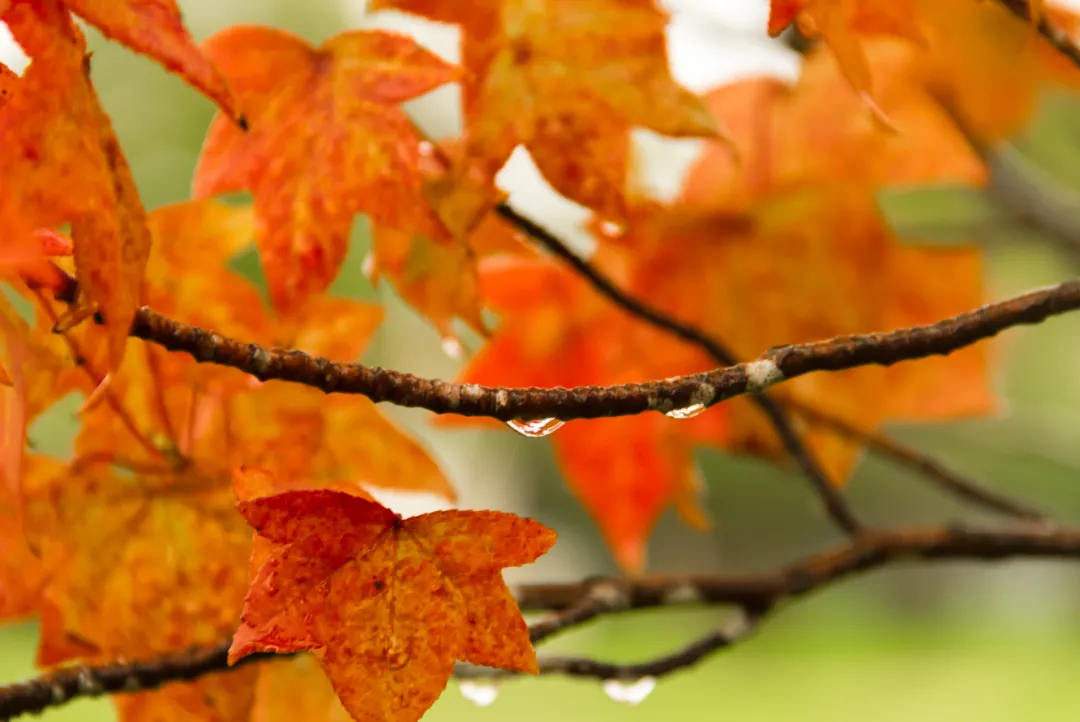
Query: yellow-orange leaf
[(295, 689), (819, 262), (60, 162), (388, 604), (441, 281), (155, 28), (566, 79), (163, 527), (814, 131), (327, 140), (992, 91), (334, 438), (187, 276), (22, 574), (112, 246)]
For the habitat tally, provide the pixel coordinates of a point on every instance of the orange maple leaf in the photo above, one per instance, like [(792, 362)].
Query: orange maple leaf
[(788, 246), (61, 162), (814, 262), (555, 330), (328, 140), (297, 431), (567, 80), (789, 134), (21, 256), (957, 52), (387, 604), (153, 28), (148, 493), (992, 92), (440, 280)]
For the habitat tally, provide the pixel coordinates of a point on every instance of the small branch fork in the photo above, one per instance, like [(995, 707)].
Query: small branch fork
[(572, 605)]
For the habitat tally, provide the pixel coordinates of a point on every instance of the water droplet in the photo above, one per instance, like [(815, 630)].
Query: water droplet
[(629, 692), (535, 428), (452, 347), (425, 147), (687, 412), (482, 694)]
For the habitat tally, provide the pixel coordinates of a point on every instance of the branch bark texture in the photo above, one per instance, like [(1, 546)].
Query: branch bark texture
[(588, 402)]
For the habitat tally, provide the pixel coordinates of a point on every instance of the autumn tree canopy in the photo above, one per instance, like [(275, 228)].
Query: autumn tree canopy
[(216, 510)]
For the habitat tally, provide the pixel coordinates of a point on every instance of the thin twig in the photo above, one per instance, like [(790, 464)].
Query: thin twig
[(590, 402), (1056, 36), (835, 504), (928, 468), (934, 471), (756, 594), (730, 632)]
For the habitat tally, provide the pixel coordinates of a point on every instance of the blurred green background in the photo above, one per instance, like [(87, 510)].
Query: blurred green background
[(948, 642)]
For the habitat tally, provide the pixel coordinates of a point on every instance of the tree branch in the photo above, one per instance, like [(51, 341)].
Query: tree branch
[(835, 505), (727, 634), (1054, 35), (934, 471), (589, 402), (574, 604), (931, 469)]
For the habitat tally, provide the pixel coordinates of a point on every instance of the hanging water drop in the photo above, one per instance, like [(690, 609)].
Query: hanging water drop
[(482, 694), (535, 428), (629, 692), (425, 147), (451, 347), (687, 412)]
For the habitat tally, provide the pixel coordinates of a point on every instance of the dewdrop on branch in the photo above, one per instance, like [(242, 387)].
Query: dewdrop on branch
[(687, 412), (629, 692), (481, 694), (699, 400), (536, 428)]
